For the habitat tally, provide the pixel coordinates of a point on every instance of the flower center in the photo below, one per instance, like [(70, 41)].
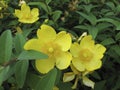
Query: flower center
[(50, 49), (85, 55)]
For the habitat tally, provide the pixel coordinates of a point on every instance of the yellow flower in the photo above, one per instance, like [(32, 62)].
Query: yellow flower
[(87, 55), (56, 46), (26, 15)]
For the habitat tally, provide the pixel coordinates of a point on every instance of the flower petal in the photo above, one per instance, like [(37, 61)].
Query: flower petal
[(63, 61), (87, 42), (44, 66), (64, 40), (93, 65), (46, 33), (99, 51), (18, 13), (30, 20), (75, 71), (25, 9), (35, 12), (78, 64), (33, 44), (75, 49)]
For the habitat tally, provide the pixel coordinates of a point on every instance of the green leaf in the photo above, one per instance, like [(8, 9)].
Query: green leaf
[(1, 88), (111, 5), (19, 41), (117, 37), (10, 72), (117, 85), (102, 26), (96, 75), (48, 1), (90, 17), (114, 22), (118, 8), (81, 27), (32, 80), (56, 15), (89, 7), (116, 48), (5, 46), (25, 55), (93, 31), (20, 72), (108, 41), (48, 81), (3, 72)]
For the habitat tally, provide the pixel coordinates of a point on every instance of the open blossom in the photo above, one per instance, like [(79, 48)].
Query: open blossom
[(25, 15), (87, 55), (56, 46)]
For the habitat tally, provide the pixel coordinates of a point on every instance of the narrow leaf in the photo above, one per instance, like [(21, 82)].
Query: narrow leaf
[(25, 55), (91, 18), (56, 15), (114, 22), (108, 41)]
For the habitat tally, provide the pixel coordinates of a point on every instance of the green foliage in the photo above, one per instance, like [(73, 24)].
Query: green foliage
[(25, 55), (100, 18), (5, 46)]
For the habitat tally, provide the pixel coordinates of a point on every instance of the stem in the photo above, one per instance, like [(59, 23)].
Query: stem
[(8, 63)]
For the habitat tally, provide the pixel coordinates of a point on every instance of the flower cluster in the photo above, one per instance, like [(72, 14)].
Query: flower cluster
[(83, 56)]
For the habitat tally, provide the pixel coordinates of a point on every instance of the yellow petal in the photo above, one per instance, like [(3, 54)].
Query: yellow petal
[(28, 20), (33, 44), (99, 51), (78, 64), (87, 42), (74, 69), (75, 49), (25, 9), (44, 66), (18, 13), (88, 82), (46, 33), (64, 40), (63, 61), (68, 77), (93, 65), (35, 12)]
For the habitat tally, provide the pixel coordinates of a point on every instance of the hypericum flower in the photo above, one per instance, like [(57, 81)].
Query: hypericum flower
[(56, 46), (87, 55), (26, 15)]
